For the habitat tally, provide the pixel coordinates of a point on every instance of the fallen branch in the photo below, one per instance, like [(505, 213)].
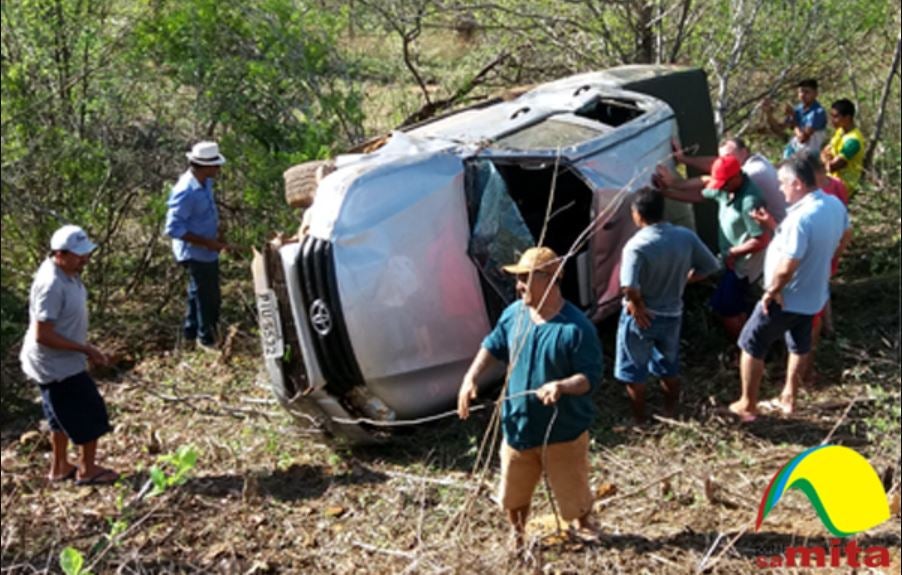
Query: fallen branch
[(842, 418), (392, 552), (442, 482), (638, 490)]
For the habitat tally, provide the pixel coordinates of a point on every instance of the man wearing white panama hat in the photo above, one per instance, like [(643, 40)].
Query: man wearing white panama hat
[(193, 224)]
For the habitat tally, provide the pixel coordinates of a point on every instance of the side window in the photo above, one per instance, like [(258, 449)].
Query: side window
[(610, 111)]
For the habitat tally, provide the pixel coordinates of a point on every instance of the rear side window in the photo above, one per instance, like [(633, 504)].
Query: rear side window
[(611, 111)]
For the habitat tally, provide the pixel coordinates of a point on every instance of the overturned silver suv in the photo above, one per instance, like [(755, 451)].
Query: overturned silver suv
[(372, 312)]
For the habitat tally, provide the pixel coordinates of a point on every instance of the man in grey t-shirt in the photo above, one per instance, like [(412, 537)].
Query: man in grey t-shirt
[(657, 263), (53, 355)]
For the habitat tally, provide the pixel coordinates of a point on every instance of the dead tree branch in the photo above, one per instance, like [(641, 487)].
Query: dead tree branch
[(884, 98)]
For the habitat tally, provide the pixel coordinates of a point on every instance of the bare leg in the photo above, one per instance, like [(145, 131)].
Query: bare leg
[(586, 522), (636, 393), (671, 387), (828, 319), (733, 325), (796, 365), (59, 465), (809, 373), (87, 467), (751, 371), (517, 519)]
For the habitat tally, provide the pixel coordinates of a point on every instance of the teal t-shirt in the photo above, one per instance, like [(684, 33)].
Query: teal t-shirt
[(565, 345), (736, 225)]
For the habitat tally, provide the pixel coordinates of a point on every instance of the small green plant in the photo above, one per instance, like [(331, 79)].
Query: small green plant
[(72, 562), (181, 462)]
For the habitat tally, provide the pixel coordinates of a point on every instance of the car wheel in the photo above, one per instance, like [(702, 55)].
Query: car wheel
[(302, 180)]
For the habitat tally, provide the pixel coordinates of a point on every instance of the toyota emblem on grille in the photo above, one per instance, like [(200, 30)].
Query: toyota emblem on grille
[(320, 317)]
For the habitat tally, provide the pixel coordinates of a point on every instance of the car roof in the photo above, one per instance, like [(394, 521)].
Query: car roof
[(483, 125)]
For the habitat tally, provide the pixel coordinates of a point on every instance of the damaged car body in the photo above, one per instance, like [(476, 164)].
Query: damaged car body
[(372, 315)]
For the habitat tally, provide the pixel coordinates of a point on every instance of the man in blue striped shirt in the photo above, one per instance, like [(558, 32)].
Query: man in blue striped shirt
[(193, 224)]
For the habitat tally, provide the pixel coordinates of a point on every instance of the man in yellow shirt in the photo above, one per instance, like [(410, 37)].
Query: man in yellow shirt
[(844, 154)]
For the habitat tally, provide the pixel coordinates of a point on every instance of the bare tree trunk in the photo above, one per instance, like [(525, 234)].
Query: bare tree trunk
[(645, 35), (741, 26), (884, 98), (681, 31)]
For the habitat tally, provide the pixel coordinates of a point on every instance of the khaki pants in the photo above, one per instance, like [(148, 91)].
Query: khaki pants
[(568, 474)]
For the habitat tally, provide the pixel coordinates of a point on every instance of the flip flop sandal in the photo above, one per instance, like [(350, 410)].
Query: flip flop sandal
[(741, 418), (66, 477), (105, 477), (774, 406)]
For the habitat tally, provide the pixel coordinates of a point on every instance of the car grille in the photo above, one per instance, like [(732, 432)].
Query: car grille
[(319, 291)]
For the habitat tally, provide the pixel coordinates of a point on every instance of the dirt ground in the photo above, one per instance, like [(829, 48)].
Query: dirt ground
[(269, 494)]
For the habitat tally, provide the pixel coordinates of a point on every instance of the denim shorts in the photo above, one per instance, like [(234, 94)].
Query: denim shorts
[(75, 407), (731, 296), (640, 351), (761, 331)]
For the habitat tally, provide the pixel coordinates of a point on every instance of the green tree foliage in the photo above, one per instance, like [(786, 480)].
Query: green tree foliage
[(100, 100)]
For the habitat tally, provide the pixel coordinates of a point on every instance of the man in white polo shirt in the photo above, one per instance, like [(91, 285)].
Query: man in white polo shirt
[(53, 355), (796, 281)]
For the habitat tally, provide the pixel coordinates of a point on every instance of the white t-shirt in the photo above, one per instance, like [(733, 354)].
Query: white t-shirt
[(63, 300), (763, 173)]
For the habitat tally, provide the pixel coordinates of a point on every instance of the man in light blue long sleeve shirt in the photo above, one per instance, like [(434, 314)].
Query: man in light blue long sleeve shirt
[(192, 222)]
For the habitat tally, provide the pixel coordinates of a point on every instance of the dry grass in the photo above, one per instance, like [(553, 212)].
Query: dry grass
[(271, 495)]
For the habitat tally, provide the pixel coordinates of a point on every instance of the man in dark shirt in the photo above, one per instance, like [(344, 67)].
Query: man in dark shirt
[(554, 359)]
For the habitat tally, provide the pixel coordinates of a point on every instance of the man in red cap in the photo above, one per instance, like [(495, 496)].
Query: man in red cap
[(741, 238)]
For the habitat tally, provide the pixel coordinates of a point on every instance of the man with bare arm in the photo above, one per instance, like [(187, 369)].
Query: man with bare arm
[(796, 279), (555, 364), (742, 240), (54, 356), (657, 263)]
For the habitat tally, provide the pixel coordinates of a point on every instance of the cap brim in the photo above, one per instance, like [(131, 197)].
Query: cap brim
[(713, 184), (84, 248), (516, 269)]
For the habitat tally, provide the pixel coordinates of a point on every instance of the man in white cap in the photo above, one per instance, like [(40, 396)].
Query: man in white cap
[(53, 355), (193, 224), (554, 359)]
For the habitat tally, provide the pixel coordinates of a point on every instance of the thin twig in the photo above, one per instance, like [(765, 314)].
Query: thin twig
[(839, 422)]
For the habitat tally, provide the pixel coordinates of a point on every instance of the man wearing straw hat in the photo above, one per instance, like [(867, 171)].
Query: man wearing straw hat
[(555, 364), (193, 224)]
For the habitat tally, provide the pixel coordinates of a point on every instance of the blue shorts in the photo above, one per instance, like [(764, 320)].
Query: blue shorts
[(74, 406), (731, 296), (761, 331), (640, 351)]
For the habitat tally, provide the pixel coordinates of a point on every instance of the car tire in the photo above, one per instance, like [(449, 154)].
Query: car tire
[(302, 180)]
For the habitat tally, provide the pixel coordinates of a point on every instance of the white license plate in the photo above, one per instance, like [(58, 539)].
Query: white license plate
[(270, 325)]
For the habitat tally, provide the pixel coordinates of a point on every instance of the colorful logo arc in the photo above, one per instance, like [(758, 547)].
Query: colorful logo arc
[(842, 486)]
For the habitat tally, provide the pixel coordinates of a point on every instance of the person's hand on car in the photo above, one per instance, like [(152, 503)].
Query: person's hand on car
[(466, 394), (663, 178), (678, 155)]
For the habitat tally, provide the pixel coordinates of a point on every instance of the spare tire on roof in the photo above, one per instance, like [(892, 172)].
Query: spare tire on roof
[(302, 180)]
